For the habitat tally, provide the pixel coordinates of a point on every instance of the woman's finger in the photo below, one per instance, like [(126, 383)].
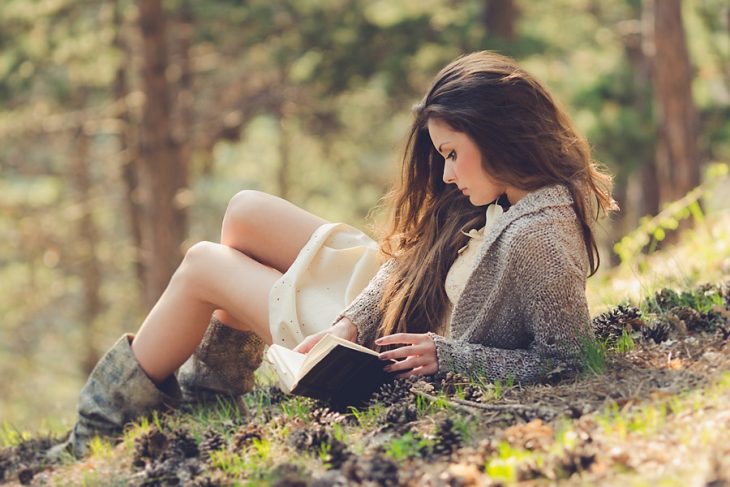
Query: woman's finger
[(427, 369), (410, 363), (301, 348), (402, 352), (307, 344), (408, 338)]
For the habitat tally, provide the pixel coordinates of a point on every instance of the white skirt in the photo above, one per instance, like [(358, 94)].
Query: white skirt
[(332, 268)]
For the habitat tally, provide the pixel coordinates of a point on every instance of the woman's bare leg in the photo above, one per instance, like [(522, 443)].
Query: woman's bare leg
[(281, 229), (225, 277)]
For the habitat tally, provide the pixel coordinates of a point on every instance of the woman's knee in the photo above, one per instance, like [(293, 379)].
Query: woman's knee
[(197, 263), (243, 210)]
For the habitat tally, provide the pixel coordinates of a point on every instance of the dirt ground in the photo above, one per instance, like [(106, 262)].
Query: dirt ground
[(659, 412)]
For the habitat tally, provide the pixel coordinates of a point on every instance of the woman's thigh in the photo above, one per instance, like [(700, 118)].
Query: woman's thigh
[(267, 228)]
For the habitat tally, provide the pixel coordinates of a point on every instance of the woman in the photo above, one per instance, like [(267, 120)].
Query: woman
[(484, 267)]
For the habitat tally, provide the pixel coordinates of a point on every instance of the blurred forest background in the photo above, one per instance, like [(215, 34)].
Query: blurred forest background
[(125, 128)]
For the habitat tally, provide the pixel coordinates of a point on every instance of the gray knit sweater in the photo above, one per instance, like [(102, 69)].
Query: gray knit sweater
[(523, 311)]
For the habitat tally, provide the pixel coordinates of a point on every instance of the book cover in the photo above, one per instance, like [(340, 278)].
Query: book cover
[(334, 370)]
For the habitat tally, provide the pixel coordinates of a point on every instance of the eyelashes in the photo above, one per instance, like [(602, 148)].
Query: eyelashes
[(452, 155)]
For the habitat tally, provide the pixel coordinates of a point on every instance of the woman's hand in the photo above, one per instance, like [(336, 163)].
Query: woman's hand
[(419, 354), (344, 328)]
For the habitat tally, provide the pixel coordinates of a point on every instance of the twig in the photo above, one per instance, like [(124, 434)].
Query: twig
[(495, 407), (447, 401), (464, 404)]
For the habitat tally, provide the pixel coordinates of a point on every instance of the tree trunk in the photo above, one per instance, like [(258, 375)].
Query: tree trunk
[(500, 17), (128, 158), (90, 269), (677, 152), (184, 116), (163, 174)]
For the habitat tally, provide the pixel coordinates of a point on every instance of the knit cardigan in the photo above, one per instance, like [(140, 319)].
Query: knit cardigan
[(523, 310)]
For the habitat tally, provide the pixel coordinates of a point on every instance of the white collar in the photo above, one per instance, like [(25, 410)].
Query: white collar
[(494, 211)]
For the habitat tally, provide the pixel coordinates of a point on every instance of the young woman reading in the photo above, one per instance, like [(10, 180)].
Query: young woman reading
[(481, 271)]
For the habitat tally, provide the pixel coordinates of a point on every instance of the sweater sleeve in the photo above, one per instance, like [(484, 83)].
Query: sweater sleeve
[(554, 313), (365, 311)]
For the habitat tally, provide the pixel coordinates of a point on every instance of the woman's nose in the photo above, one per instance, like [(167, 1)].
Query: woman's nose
[(448, 173)]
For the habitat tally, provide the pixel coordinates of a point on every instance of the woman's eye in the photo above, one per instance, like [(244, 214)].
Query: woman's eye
[(452, 155)]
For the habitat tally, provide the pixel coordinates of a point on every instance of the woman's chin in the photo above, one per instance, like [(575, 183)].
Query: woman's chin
[(478, 201)]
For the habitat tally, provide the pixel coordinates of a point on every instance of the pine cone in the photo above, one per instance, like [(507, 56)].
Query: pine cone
[(377, 469), (246, 435), (183, 443), (658, 331), (157, 474), (337, 454), (452, 381), (392, 392), (216, 480), (667, 299), (576, 461), (275, 395), (448, 439), (149, 446), (693, 320), (473, 393), (6, 461), (325, 416), (212, 441), (612, 324), (309, 438), (400, 414)]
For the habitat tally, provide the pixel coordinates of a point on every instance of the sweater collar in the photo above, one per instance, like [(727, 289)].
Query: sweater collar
[(534, 201)]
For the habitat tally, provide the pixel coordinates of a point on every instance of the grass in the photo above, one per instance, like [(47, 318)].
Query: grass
[(700, 255), (594, 356), (10, 436), (297, 407), (408, 446), (504, 465), (625, 343), (369, 417)]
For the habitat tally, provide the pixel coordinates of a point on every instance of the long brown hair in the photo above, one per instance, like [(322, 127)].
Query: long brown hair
[(526, 141)]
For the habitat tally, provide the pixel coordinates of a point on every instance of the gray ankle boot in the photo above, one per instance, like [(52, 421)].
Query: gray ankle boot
[(223, 365), (117, 392)]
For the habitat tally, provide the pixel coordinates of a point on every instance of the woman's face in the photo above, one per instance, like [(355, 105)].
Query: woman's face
[(463, 164)]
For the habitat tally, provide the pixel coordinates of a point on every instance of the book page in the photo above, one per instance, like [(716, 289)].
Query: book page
[(287, 363)]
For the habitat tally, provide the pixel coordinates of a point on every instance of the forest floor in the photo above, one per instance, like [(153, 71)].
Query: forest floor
[(656, 411), (653, 408)]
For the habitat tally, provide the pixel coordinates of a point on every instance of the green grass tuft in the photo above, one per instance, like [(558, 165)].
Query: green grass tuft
[(10, 436)]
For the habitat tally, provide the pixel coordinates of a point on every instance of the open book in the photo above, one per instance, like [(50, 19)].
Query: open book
[(335, 369)]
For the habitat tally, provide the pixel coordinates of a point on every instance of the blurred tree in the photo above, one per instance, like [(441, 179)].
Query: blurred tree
[(127, 135), (639, 194), (677, 155), (714, 16), (88, 240), (500, 17), (163, 177)]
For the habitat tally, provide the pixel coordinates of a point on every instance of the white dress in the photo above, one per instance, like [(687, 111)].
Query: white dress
[(333, 267)]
